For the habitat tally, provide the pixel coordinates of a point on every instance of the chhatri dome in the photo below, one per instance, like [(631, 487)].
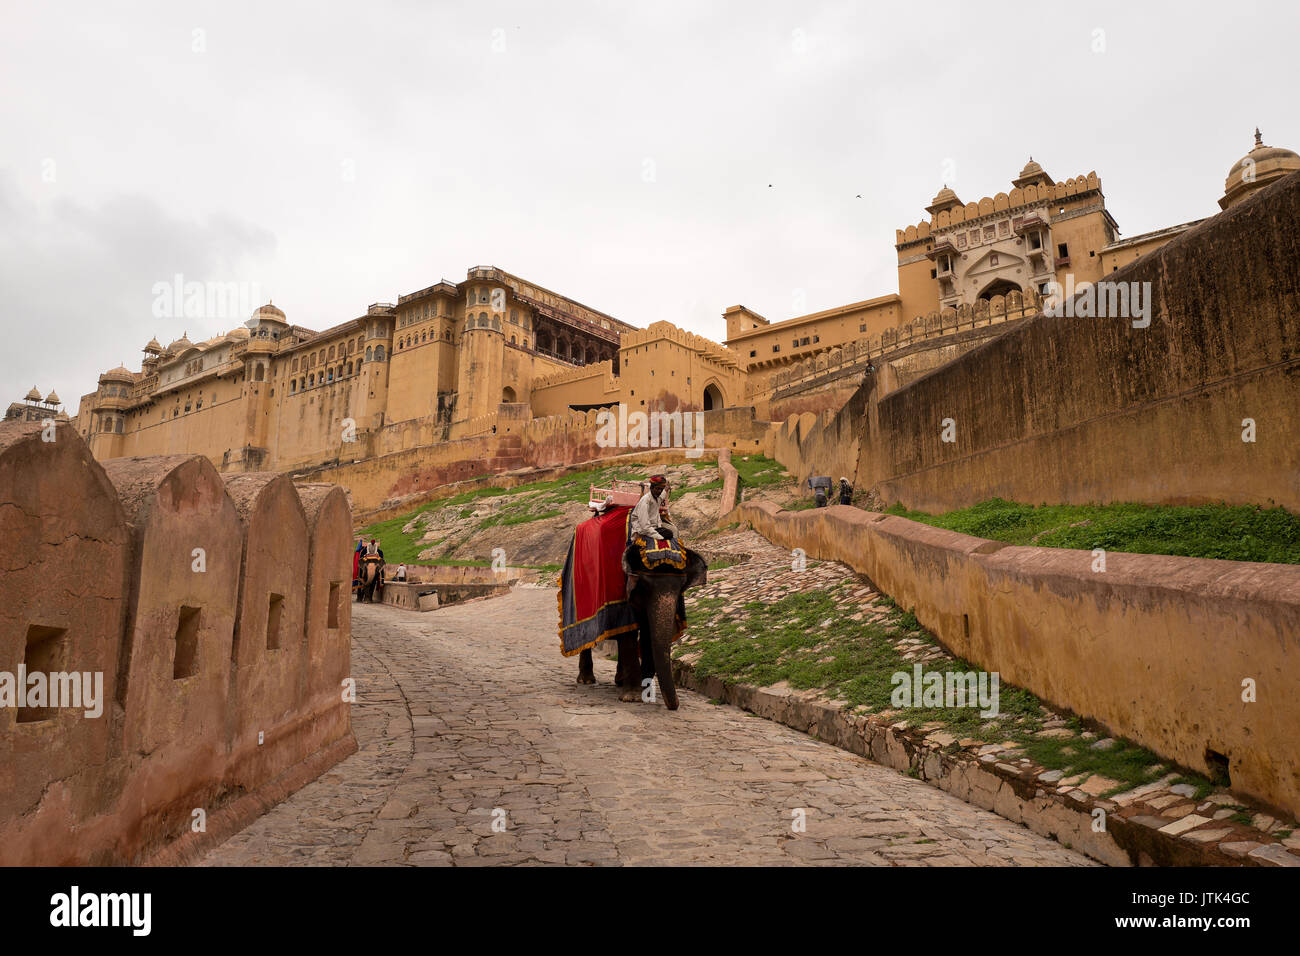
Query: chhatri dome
[(267, 313), (1032, 175), (180, 344), (33, 396), (1257, 169), (945, 198)]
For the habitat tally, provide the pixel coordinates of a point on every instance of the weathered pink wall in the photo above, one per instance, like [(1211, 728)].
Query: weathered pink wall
[(113, 562), (266, 682), (186, 542), (329, 609), (64, 550)]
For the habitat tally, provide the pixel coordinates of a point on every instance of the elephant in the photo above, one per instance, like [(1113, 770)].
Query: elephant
[(657, 602), (372, 573)]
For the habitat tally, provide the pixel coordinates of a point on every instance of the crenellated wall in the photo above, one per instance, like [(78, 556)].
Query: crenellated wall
[(158, 577), (1032, 195)]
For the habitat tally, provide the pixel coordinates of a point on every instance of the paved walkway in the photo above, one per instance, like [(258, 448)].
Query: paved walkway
[(468, 719)]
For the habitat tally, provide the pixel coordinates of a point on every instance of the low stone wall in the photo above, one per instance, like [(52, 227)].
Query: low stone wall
[(431, 596), (1155, 648), (214, 612), (730, 483)]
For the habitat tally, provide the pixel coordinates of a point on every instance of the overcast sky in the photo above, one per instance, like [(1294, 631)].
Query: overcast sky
[(653, 160)]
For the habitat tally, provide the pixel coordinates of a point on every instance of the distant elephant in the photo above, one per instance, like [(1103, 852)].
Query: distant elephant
[(658, 602), (372, 574)]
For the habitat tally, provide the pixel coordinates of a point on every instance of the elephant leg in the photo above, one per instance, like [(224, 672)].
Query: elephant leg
[(661, 607), (645, 647), (586, 672), (629, 659)]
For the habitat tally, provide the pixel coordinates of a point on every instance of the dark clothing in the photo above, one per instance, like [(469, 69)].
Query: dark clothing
[(846, 493), (821, 498)]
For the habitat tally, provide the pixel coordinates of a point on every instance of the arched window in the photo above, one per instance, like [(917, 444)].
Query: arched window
[(311, 379), (496, 323), (331, 375), (512, 340), (514, 319), (349, 368), (293, 387), (507, 394), (379, 353), (369, 351), (259, 373), (331, 351)]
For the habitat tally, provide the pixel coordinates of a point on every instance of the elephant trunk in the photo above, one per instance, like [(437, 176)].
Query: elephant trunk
[(662, 615)]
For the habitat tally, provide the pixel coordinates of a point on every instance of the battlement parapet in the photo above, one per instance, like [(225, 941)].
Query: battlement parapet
[(210, 619), (1018, 198), (934, 325)]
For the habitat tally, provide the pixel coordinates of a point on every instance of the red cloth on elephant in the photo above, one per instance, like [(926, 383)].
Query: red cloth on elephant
[(593, 588)]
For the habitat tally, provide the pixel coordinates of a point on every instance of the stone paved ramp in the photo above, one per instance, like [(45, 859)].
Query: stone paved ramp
[(471, 709)]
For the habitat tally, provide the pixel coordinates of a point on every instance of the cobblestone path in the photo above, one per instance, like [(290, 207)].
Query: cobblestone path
[(469, 715)]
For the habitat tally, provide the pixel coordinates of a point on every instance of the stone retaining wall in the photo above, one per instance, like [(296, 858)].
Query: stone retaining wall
[(430, 596), (1155, 648)]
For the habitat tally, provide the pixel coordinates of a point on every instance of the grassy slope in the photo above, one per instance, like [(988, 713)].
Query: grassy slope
[(1240, 533), (806, 640)]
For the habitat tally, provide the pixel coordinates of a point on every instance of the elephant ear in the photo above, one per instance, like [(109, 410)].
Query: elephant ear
[(697, 572)]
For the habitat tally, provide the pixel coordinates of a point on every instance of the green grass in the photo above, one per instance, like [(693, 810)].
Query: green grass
[(758, 471), (806, 640), (399, 547), (1233, 533)]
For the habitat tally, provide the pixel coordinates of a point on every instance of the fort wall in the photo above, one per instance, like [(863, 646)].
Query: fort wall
[(1152, 414), (159, 576), (1080, 410)]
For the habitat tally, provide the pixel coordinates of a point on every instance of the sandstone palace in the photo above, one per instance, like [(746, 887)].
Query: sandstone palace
[(463, 378)]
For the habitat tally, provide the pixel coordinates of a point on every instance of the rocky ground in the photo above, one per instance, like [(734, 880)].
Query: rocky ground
[(533, 523), (765, 621)]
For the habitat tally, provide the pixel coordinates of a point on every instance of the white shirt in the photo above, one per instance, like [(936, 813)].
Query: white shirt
[(646, 518)]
